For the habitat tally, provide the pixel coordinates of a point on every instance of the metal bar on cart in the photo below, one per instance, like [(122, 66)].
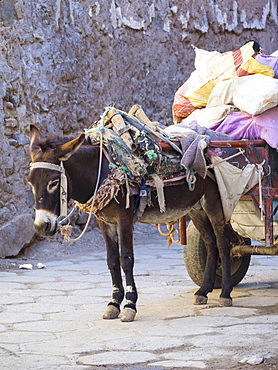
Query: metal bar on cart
[(223, 144)]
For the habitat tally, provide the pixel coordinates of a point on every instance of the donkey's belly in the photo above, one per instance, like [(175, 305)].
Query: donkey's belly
[(178, 201), (154, 216)]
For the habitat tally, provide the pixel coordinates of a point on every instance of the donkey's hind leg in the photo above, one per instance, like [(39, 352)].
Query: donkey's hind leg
[(203, 225), (109, 232), (212, 205), (210, 221)]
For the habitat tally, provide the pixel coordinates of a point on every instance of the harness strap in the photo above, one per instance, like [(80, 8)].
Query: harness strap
[(63, 193), (48, 166)]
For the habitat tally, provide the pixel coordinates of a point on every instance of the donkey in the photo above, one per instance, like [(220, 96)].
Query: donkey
[(81, 161)]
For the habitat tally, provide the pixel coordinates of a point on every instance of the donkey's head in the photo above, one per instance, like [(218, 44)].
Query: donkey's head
[(48, 179)]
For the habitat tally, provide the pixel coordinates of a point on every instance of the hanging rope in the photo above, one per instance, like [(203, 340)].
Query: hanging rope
[(66, 229), (261, 173), (171, 232)]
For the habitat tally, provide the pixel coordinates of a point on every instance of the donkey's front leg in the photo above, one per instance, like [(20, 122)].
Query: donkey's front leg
[(109, 232), (127, 263)]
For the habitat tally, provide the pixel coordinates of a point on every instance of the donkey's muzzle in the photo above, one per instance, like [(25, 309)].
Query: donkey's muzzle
[(45, 223)]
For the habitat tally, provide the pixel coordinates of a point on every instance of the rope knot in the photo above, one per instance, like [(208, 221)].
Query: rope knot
[(65, 230)]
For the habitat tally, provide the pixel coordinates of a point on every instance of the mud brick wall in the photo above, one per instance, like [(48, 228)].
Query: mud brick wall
[(63, 61)]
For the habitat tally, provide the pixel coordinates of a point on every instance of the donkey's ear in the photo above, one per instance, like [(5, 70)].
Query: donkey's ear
[(35, 134), (35, 139), (64, 151)]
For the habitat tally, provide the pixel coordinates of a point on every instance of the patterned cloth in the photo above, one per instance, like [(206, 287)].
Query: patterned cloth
[(106, 192)]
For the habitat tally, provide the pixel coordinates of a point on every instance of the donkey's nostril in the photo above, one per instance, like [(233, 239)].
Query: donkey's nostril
[(47, 226), (45, 229)]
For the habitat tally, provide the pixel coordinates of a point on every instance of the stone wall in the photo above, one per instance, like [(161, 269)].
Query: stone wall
[(63, 61)]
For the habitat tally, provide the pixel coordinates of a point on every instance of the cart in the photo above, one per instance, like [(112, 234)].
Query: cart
[(257, 151)]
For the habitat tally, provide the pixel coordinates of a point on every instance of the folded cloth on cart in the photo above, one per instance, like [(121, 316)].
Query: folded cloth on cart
[(194, 140), (212, 67)]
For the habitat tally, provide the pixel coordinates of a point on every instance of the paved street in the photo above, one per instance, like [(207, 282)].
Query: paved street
[(51, 318)]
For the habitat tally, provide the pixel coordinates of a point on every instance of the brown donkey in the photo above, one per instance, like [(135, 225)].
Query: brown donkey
[(80, 161)]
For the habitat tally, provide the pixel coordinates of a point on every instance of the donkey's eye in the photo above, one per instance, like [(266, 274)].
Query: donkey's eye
[(52, 186)]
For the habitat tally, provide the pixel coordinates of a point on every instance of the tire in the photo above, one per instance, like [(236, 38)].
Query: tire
[(195, 255)]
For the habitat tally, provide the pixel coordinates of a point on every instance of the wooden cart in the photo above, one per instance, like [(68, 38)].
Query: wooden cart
[(257, 151)]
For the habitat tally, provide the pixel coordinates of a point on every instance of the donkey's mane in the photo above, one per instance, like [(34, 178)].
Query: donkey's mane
[(53, 142)]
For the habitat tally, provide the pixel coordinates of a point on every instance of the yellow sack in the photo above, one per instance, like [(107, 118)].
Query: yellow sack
[(213, 67)]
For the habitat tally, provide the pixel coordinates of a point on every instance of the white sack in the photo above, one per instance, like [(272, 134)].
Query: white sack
[(233, 182), (255, 94)]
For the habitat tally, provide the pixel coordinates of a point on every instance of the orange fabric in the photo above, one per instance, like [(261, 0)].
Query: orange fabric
[(237, 59)]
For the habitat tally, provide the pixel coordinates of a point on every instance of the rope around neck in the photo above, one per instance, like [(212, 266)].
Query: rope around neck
[(66, 229)]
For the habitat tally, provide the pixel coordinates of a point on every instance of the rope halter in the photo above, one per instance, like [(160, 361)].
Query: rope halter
[(63, 182)]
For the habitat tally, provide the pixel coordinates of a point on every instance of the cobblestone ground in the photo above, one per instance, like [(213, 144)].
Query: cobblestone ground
[(51, 318)]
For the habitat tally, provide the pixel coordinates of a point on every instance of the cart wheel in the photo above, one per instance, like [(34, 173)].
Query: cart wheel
[(195, 255)]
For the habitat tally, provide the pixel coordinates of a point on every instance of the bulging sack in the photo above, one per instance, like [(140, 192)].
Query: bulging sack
[(255, 94)]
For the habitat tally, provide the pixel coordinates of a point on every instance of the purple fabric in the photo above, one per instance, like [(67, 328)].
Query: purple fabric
[(269, 60), (241, 125)]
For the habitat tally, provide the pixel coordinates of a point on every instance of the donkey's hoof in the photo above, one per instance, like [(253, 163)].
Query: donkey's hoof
[(225, 302), (111, 312), (128, 314), (199, 299)]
